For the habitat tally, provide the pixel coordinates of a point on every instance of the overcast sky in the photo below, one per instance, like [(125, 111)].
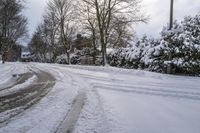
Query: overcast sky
[(158, 10)]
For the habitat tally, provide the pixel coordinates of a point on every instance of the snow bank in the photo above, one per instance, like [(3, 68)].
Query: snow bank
[(9, 69), (19, 87)]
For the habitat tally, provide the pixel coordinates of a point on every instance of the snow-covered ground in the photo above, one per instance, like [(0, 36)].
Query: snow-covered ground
[(117, 101), (9, 69)]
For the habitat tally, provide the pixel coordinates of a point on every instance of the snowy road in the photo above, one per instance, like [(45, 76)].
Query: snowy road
[(23, 91), (109, 100)]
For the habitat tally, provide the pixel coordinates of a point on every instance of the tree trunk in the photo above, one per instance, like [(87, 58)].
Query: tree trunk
[(3, 61), (101, 32), (94, 47), (3, 58), (54, 58), (104, 55), (103, 50), (68, 58)]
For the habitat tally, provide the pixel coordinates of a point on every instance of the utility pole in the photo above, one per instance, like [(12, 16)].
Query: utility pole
[(171, 14), (169, 66)]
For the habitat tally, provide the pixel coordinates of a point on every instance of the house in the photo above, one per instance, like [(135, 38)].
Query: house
[(26, 57)]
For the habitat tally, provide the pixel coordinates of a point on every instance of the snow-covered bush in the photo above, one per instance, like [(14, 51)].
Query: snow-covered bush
[(62, 59), (179, 46), (75, 57), (137, 56), (165, 50), (190, 48), (124, 57), (183, 43), (127, 57), (150, 48)]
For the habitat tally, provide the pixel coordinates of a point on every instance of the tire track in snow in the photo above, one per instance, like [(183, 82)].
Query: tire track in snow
[(15, 103), (72, 117), (164, 90), (148, 91), (69, 122), (85, 87)]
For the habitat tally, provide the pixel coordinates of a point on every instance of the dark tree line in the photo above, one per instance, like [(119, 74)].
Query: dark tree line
[(13, 25)]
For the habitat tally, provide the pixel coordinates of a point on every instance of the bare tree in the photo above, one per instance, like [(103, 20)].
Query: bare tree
[(13, 24), (64, 13), (57, 29), (38, 45), (90, 25), (121, 33), (51, 26), (106, 10)]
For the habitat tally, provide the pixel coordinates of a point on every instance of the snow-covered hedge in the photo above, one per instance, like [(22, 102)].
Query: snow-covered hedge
[(138, 56), (62, 59), (75, 58), (182, 43), (125, 57)]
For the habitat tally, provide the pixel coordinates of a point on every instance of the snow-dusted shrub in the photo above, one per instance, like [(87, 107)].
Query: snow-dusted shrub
[(167, 46), (137, 56), (75, 57), (115, 57), (62, 59), (179, 46), (125, 57), (190, 48), (150, 48), (183, 42)]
